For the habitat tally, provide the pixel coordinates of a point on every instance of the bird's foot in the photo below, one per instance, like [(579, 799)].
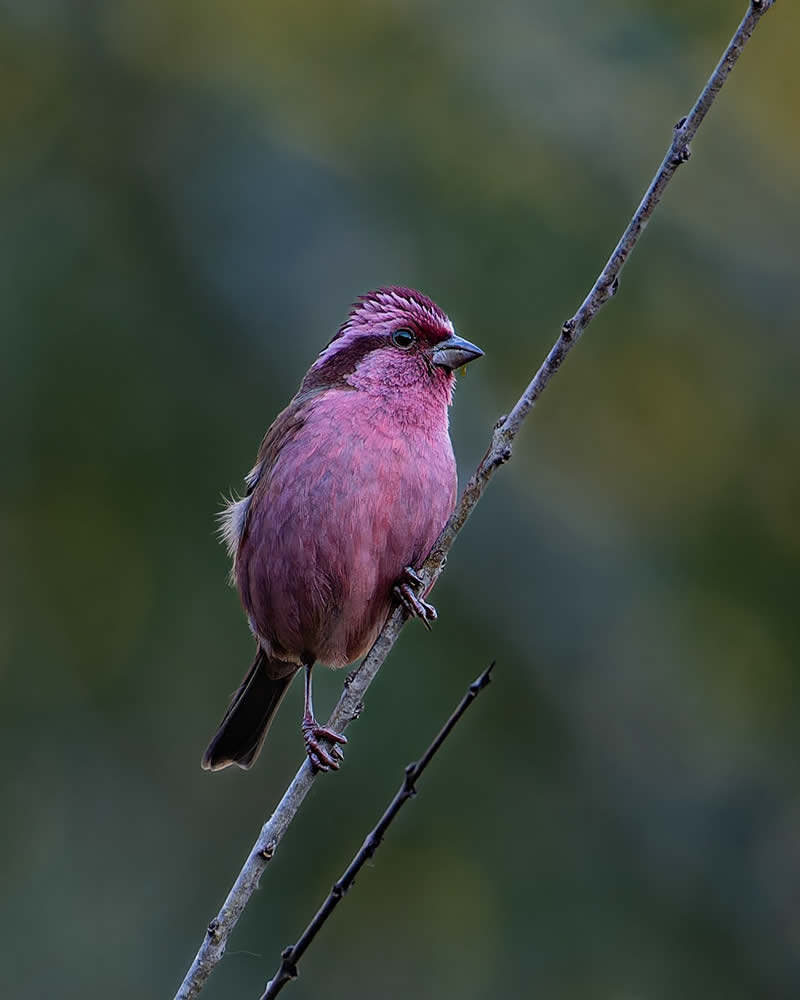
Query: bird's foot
[(322, 758), (407, 593)]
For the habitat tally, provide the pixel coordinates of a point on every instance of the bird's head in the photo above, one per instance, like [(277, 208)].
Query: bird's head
[(394, 341)]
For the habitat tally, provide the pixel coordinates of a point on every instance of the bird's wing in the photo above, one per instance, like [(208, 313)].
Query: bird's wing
[(233, 517)]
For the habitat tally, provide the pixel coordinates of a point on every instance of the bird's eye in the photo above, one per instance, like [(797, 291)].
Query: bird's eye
[(403, 338)]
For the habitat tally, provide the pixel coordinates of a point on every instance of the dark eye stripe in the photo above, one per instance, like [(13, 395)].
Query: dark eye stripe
[(342, 363)]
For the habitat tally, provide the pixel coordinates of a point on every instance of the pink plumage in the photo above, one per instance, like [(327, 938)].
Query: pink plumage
[(353, 483)]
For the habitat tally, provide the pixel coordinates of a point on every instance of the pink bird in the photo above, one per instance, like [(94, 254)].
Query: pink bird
[(352, 485)]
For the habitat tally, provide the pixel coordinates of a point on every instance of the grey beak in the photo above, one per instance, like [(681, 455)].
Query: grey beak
[(455, 352)]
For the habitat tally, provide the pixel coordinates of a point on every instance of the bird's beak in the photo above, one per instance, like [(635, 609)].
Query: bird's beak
[(455, 352)]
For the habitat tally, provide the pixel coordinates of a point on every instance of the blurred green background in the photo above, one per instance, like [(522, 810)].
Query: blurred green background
[(191, 195)]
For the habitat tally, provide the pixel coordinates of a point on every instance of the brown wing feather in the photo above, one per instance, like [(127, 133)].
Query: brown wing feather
[(234, 516)]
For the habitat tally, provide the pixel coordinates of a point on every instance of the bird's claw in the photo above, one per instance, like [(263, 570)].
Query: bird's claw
[(406, 593), (410, 575), (322, 758)]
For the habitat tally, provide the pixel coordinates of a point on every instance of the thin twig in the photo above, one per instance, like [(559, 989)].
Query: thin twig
[(349, 705), (287, 970)]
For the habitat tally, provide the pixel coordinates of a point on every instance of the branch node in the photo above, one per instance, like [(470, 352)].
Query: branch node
[(568, 330), (213, 929), (500, 421), (358, 708), (682, 155), (680, 123), (267, 852), (411, 777), (288, 968), (500, 450), (485, 678), (502, 455), (350, 678)]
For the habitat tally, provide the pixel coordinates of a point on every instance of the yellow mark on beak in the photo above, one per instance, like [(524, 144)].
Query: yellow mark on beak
[(463, 369)]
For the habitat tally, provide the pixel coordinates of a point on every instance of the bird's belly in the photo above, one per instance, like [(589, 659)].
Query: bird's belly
[(331, 534)]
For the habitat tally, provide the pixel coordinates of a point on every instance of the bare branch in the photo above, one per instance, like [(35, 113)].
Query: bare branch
[(287, 970), (349, 705)]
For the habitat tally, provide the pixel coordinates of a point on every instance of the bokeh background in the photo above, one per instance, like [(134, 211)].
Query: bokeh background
[(191, 195)]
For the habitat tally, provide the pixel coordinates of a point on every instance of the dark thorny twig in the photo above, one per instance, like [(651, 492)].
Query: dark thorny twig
[(287, 970)]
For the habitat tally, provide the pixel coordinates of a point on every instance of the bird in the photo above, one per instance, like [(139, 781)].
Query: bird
[(352, 485)]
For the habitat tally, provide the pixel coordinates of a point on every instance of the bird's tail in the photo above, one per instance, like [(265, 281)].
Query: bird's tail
[(244, 726)]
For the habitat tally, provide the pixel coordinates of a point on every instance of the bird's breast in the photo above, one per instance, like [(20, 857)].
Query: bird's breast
[(360, 492)]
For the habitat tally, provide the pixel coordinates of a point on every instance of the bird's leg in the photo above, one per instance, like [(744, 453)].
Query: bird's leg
[(322, 758), (407, 592)]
